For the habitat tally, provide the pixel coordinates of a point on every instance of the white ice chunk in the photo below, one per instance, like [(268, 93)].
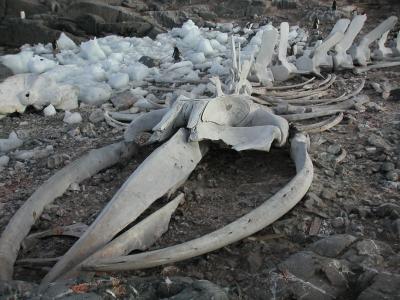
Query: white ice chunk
[(65, 43), (39, 64), (197, 58), (94, 93), (204, 46), (118, 80), (17, 63), (138, 72), (92, 51)]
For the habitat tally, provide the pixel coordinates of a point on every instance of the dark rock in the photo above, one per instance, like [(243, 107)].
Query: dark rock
[(300, 264), (2, 8), (255, 261), (170, 18), (332, 246), (388, 210), (149, 62), (127, 28), (384, 286), (90, 23), (201, 290), (96, 116), (30, 7), (15, 32)]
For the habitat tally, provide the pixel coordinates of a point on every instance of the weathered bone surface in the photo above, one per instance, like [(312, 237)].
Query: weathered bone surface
[(267, 213), (264, 57), (176, 159), (139, 237), (312, 63), (362, 53), (342, 59), (184, 126), (340, 26), (283, 70), (21, 223), (382, 52)]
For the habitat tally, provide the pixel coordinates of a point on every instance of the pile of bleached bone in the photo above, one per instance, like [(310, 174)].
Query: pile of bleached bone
[(237, 118)]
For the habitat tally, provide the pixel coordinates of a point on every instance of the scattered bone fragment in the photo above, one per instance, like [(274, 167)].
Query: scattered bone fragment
[(13, 142)]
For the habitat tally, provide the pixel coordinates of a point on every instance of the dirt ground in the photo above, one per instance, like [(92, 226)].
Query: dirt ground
[(358, 196)]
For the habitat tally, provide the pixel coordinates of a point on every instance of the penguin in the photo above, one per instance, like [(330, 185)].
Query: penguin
[(316, 23), (176, 55), (334, 5)]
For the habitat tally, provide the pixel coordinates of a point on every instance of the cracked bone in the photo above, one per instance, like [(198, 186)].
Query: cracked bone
[(311, 63), (342, 59), (20, 224), (13, 142), (176, 159), (284, 69), (382, 52), (362, 53), (268, 212), (264, 57)]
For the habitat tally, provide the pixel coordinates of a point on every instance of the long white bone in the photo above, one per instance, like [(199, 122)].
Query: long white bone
[(342, 59), (176, 156), (312, 63), (284, 69), (264, 56), (270, 211), (382, 52), (340, 26), (362, 53)]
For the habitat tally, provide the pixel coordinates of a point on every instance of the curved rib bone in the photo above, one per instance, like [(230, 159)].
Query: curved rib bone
[(175, 159), (362, 53), (321, 126), (21, 223), (270, 211), (343, 60), (284, 70)]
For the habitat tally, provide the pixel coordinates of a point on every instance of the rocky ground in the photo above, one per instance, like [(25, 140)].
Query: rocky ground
[(342, 241)]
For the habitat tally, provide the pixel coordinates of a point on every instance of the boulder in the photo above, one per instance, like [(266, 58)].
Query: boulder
[(30, 7)]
